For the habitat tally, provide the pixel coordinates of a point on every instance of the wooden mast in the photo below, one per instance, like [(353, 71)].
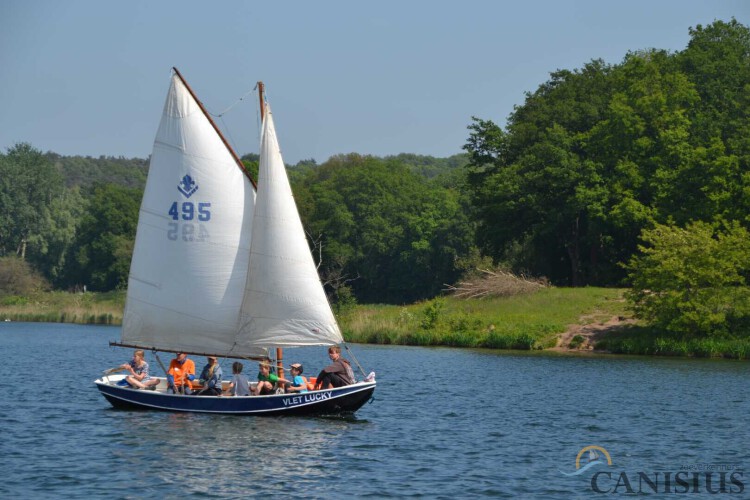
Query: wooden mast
[(261, 97), (210, 120)]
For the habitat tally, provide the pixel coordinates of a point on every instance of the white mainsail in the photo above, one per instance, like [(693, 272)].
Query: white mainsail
[(284, 304), (190, 260)]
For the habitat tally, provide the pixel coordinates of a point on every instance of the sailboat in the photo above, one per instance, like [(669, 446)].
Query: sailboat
[(221, 267)]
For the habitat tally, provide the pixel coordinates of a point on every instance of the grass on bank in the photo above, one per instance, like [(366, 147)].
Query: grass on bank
[(529, 321), (644, 340), (63, 307)]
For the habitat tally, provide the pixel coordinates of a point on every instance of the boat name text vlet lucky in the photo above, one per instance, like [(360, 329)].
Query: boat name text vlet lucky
[(307, 398)]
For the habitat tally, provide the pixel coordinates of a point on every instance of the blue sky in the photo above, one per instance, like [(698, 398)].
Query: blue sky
[(89, 77)]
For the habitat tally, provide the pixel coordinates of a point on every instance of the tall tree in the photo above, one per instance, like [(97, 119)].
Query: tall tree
[(539, 196), (104, 245), (395, 231), (28, 184), (717, 62), (49, 250), (596, 155)]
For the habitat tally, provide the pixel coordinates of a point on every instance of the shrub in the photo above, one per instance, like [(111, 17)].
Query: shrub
[(692, 280), (18, 278), (432, 314), (575, 342)]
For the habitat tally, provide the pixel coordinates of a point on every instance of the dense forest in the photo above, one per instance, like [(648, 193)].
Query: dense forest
[(595, 177)]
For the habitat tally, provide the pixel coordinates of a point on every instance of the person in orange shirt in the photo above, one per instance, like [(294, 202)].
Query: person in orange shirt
[(181, 374)]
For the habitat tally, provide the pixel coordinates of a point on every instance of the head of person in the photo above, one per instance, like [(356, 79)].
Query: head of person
[(264, 368), (181, 357), (334, 352), (212, 360), (296, 369), (236, 367), (138, 355)]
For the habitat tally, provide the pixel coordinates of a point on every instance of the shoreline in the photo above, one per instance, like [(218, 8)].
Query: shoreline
[(590, 333), (578, 339)]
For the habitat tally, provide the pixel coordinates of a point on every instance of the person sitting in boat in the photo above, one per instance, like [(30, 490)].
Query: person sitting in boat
[(267, 381), (298, 383), (138, 368), (239, 386), (181, 373), (210, 378), (338, 374)]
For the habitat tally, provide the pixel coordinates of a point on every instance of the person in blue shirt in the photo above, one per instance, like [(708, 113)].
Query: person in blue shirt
[(298, 383), (211, 378)]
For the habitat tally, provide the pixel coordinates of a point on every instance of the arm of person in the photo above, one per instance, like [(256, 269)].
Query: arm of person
[(275, 379), (204, 376), (190, 371), (132, 372), (215, 381)]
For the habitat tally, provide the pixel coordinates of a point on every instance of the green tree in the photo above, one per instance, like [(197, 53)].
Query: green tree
[(49, 250), (250, 161), (596, 155), (717, 61), (396, 233), (693, 280), (104, 245), (28, 184), (86, 171), (539, 198)]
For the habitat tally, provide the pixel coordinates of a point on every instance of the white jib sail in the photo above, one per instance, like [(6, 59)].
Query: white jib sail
[(285, 304), (192, 246)]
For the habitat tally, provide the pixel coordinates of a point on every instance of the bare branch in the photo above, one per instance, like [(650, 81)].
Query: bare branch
[(497, 283)]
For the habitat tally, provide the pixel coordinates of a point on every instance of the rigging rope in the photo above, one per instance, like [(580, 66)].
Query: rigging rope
[(355, 359), (228, 132), (233, 104)]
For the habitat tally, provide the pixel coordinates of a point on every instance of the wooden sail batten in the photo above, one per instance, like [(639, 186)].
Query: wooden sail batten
[(213, 124)]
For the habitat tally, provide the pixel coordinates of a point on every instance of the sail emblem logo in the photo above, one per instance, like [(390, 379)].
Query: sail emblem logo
[(187, 186), (588, 457)]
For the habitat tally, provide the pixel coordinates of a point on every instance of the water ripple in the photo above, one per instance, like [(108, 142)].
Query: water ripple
[(62, 439)]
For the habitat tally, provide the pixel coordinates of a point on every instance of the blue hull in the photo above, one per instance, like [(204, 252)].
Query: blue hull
[(338, 401)]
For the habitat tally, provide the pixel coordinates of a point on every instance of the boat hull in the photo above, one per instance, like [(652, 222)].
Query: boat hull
[(337, 401)]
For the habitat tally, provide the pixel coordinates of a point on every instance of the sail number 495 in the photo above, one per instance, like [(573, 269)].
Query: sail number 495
[(188, 214), (187, 211)]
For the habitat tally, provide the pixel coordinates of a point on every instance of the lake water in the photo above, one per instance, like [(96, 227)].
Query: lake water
[(445, 423)]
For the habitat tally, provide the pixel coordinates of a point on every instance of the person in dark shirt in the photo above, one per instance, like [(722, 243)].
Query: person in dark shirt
[(211, 378), (338, 374)]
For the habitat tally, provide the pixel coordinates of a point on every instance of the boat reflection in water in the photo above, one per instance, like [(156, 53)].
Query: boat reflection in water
[(230, 456)]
